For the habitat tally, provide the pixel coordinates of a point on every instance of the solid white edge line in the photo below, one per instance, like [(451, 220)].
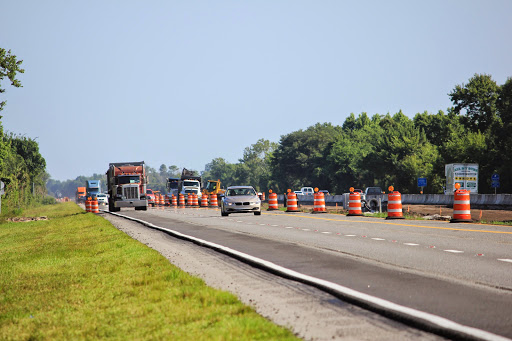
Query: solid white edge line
[(372, 300)]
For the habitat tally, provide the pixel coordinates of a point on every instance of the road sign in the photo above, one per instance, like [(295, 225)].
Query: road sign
[(422, 182), (495, 177), (495, 184)]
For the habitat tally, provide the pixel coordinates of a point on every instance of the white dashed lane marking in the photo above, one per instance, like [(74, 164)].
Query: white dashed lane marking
[(507, 260)]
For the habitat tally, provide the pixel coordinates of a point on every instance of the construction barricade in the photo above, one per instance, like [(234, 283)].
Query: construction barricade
[(354, 203), (182, 200), (394, 204), (167, 201), (204, 201), (291, 202), (213, 200), (94, 206), (195, 202), (174, 201), (272, 201), (461, 206), (88, 204), (318, 202)]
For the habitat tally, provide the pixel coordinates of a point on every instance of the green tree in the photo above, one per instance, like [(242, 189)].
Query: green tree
[(9, 67), (299, 160)]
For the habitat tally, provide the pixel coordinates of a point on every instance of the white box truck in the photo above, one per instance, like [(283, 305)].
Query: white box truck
[(466, 174)]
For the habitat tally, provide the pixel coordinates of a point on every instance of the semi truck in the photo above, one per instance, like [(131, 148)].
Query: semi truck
[(93, 188), (80, 194), (189, 183), (127, 186), (465, 174)]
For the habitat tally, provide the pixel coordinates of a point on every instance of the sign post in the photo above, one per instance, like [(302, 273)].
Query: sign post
[(495, 181), (422, 182), (2, 191)]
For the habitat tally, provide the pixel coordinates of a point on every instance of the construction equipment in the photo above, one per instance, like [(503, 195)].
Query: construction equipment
[(213, 187)]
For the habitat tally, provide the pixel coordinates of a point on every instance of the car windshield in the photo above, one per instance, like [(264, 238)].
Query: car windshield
[(240, 191)]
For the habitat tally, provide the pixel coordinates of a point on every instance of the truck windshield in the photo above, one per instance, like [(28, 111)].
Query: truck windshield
[(191, 183), (173, 185), (211, 186), (128, 179)]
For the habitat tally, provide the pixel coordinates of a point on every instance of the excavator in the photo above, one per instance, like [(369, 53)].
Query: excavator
[(213, 187)]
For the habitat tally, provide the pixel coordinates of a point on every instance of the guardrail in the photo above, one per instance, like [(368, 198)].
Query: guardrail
[(504, 200)]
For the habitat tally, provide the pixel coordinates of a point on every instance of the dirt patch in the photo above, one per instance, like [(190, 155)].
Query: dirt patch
[(25, 219)]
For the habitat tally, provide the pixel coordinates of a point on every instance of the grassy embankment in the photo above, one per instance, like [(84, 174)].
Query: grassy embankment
[(75, 276)]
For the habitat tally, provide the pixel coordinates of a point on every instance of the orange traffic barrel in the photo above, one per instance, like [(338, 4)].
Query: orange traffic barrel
[(204, 201), (272, 201), (354, 204), (395, 205), (213, 200), (189, 200), (161, 201), (94, 206), (195, 202), (174, 201), (167, 201), (318, 202), (88, 204), (291, 202), (182, 200), (461, 207)]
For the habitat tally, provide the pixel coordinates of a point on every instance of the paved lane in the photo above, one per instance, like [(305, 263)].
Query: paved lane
[(457, 271)]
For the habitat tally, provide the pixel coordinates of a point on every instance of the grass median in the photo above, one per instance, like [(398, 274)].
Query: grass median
[(75, 276)]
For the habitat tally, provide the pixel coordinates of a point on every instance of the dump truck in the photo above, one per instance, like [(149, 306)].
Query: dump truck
[(80, 195), (172, 187), (127, 186)]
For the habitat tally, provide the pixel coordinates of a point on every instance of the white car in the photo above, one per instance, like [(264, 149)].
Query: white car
[(102, 199), (240, 199)]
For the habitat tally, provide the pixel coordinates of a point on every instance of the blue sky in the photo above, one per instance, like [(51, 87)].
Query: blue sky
[(184, 82)]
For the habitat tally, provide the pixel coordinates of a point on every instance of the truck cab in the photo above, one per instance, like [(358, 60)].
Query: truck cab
[(93, 188), (307, 190)]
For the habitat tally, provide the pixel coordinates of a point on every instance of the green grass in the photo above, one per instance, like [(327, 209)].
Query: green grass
[(77, 277)]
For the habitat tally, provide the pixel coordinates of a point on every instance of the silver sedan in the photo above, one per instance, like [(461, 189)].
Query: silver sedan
[(240, 199)]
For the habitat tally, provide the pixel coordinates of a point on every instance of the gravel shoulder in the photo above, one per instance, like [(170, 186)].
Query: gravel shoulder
[(310, 313)]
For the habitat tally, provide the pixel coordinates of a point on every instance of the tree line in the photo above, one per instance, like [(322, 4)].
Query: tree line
[(384, 150), (22, 167)]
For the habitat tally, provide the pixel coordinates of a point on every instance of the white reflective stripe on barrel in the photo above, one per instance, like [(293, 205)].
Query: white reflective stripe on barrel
[(394, 211), (354, 201), (460, 202), (394, 202), (462, 212)]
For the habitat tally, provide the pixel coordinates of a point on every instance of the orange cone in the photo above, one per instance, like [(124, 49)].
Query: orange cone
[(394, 204), (354, 203), (461, 206), (318, 202), (272, 201)]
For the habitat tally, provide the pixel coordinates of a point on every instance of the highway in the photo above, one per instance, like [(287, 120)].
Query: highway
[(462, 272)]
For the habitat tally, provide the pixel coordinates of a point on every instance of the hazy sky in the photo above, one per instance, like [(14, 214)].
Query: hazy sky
[(184, 82)]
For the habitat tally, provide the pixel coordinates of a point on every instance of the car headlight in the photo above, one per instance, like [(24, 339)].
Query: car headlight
[(230, 203)]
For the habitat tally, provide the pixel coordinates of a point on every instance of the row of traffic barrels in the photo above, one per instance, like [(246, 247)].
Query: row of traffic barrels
[(461, 204), (192, 200)]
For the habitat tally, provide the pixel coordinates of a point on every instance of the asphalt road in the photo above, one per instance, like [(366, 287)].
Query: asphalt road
[(462, 272)]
